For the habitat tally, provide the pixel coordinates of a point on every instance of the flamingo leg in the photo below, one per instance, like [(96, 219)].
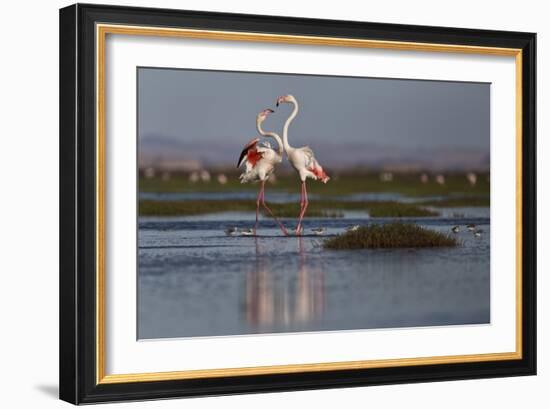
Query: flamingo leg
[(270, 212), (298, 227), (304, 203), (301, 206), (258, 201)]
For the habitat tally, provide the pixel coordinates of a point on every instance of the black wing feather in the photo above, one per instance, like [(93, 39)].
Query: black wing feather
[(243, 154), (247, 147)]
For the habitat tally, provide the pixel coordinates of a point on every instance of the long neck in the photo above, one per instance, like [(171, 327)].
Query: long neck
[(272, 135), (287, 123)]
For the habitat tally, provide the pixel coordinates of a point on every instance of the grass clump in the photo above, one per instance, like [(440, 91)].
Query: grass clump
[(392, 235), (474, 201)]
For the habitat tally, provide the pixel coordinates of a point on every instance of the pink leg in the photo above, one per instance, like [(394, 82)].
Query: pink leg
[(271, 213), (303, 205), (258, 200)]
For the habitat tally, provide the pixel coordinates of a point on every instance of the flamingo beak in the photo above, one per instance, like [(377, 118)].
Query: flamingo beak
[(277, 104)]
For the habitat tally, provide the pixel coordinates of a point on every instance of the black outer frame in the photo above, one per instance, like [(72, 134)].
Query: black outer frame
[(77, 204)]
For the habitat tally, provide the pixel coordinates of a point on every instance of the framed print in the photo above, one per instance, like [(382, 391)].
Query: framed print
[(257, 203)]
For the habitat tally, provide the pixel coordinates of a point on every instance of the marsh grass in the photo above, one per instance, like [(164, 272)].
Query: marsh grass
[(341, 184), (317, 208), (393, 235), (396, 209), (196, 207), (474, 201)]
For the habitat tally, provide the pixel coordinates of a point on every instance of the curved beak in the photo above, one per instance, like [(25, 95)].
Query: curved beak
[(277, 104)]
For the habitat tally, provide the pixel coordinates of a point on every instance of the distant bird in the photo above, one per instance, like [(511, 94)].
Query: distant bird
[(302, 160), (355, 227), (222, 179), (149, 173), (455, 229), (232, 231), (472, 178), (319, 231), (471, 227), (204, 175), (260, 161), (386, 177), (194, 177), (248, 232)]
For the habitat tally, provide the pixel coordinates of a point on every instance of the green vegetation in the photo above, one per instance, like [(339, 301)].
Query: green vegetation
[(394, 235), (343, 183), (195, 207), (317, 208), (396, 209), (475, 201), (456, 192)]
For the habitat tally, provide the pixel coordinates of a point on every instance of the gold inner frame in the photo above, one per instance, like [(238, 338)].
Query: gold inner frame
[(101, 33)]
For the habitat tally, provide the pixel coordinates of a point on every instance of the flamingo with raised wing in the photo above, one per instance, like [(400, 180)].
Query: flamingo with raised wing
[(260, 160), (302, 160)]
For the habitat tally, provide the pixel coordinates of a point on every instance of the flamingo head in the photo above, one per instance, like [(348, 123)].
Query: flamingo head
[(264, 114), (285, 99)]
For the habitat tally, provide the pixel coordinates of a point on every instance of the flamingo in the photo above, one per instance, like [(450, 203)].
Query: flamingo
[(260, 160), (302, 160)]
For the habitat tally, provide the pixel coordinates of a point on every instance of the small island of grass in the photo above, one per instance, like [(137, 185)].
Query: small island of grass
[(392, 235)]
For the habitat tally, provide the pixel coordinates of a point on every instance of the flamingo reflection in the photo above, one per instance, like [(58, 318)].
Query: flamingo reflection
[(287, 299)]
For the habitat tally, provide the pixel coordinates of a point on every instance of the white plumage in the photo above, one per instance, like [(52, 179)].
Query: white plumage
[(259, 169), (260, 160), (302, 160)]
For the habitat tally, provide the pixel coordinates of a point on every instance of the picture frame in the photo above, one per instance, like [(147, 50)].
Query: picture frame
[(83, 284)]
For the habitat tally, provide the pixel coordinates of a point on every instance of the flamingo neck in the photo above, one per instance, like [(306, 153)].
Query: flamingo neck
[(286, 145), (271, 135)]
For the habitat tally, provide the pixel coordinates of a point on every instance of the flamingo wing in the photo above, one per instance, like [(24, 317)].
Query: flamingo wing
[(313, 166), (249, 153), (308, 153)]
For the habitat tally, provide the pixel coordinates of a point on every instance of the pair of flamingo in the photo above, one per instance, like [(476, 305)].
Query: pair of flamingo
[(260, 160)]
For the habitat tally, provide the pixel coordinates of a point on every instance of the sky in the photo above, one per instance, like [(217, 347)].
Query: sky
[(347, 121)]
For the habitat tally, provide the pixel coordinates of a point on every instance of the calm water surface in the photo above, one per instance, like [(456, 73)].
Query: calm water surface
[(285, 197), (195, 281)]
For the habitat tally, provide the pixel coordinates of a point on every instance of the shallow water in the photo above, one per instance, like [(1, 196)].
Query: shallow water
[(196, 281), (274, 196)]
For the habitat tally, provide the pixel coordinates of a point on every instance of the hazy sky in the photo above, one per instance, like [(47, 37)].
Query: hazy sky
[(210, 115)]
